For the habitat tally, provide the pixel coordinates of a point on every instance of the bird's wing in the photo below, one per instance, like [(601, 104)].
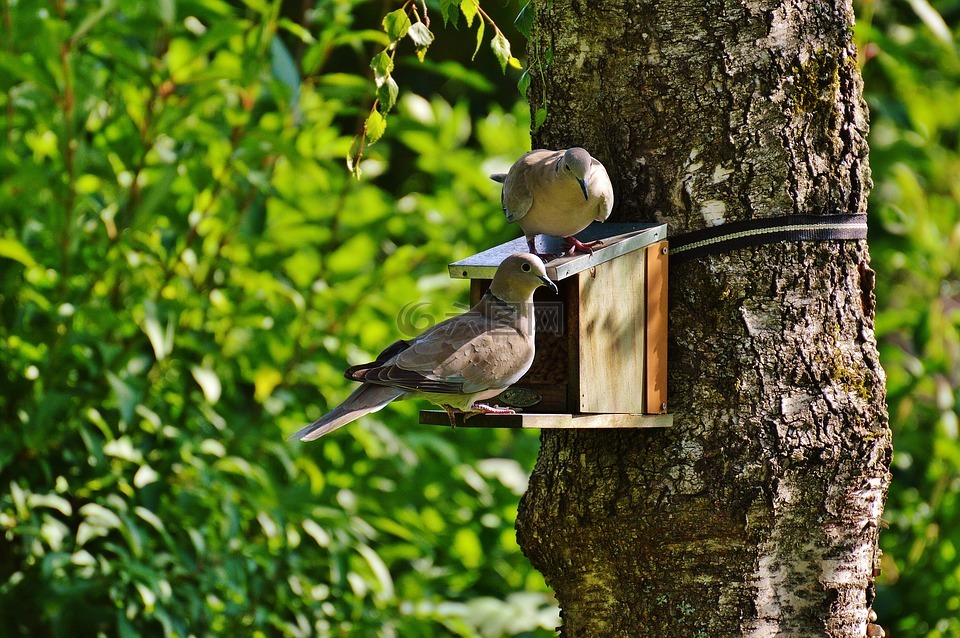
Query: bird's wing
[(601, 187), (527, 175), (462, 355), (355, 373)]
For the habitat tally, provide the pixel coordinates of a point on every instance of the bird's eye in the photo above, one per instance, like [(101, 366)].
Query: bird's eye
[(568, 168), (525, 267)]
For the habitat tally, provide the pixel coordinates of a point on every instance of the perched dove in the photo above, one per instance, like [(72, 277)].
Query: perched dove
[(458, 362), (556, 193)]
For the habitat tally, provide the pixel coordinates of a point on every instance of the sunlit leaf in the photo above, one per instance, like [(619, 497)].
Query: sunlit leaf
[(264, 382), (376, 126), (421, 35), (379, 569), (209, 382), (501, 49), (396, 24), (168, 11), (298, 30), (12, 249), (382, 65), (479, 39), (161, 339), (52, 501), (469, 8), (387, 93), (932, 18)]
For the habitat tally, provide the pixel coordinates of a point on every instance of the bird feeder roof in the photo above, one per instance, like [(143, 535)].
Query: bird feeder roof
[(618, 239)]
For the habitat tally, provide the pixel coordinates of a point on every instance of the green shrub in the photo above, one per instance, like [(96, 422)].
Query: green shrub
[(186, 267)]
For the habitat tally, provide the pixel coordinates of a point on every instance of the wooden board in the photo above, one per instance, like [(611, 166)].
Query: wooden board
[(550, 421), (655, 388), (612, 330)]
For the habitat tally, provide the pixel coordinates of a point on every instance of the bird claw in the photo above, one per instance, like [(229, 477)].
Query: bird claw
[(573, 245), (482, 408), (452, 413)]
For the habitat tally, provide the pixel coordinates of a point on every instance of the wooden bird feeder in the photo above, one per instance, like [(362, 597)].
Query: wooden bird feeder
[(601, 343)]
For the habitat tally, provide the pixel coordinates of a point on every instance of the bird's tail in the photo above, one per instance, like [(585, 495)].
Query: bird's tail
[(364, 400)]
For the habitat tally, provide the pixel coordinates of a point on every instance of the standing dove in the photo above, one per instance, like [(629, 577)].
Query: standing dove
[(458, 362), (556, 193)]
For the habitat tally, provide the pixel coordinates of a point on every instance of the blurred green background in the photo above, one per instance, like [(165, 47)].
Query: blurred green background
[(187, 266)]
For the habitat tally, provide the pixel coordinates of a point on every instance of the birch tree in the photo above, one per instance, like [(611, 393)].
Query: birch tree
[(757, 514)]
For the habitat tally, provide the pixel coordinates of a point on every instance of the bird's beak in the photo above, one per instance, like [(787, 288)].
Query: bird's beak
[(549, 284), (583, 187)]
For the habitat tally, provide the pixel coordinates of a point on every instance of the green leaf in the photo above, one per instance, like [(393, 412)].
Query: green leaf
[(450, 11), (469, 8), (524, 21), (479, 40), (524, 83), (297, 30), (93, 19), (168, 11), (376, 126), (501, 49), (380, 571), (387, 93), (932, 18), (354, 155), (382, 65), (53, 501), (283, 66), (13, 249), (264, 382), (126, 396), (467, 546), (209, 382), (396, 24), (539, 118), (421, 35), (160, 339)]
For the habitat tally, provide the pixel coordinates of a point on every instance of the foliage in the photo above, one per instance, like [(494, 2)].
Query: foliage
[(912, 77), (413, 21), (186, 267)]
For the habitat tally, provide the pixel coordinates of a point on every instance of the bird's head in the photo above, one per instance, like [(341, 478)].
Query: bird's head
[(518, 276), (576, 163)]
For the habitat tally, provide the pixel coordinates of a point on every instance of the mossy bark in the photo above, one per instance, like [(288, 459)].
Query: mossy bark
[(757, 513)]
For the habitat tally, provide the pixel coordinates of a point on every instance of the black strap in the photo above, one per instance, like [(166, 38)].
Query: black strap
[(768, 230)]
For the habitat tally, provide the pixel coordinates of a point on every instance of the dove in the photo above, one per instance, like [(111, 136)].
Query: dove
[(556, 193), (457, 363)]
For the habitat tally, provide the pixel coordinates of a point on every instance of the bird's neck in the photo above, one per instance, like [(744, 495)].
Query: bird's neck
[(508, 311)]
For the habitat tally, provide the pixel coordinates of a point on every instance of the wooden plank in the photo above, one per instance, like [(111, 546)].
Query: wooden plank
[(611, 330), (655, 388), (526, 420)]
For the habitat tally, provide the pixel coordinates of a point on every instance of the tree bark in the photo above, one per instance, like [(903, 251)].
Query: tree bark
[(757, 514)]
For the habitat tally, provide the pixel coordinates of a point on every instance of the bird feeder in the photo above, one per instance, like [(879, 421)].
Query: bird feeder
[(601, 344)]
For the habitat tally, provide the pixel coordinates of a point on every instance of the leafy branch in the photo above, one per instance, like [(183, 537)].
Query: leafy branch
[(413, 21), (539, 60)]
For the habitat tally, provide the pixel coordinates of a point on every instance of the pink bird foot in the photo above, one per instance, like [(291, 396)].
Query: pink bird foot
[(573, 245), (483, 408)]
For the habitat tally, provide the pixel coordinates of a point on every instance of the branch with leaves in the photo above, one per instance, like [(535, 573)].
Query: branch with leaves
[(412, 21)]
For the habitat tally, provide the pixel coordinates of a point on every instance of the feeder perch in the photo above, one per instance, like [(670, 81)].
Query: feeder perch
[(601, 343)]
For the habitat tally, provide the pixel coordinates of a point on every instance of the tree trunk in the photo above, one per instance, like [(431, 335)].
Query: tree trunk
[(757, 513)]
